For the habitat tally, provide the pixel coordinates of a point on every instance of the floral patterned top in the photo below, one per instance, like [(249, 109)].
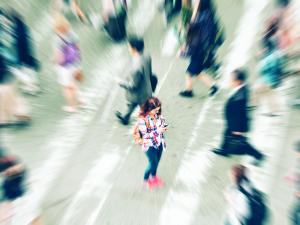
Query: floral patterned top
[(151, 135)]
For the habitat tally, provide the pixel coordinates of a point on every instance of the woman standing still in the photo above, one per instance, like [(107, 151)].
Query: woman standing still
[(150, 129)]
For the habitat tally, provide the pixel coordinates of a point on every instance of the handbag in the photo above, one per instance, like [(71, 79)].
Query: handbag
[(236, 144)]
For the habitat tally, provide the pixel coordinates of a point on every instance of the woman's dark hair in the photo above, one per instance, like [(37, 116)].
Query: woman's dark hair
[(136, 43), (149, 105), (239, 173)]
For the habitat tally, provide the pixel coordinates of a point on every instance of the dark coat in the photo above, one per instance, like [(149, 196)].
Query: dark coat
[(202, 34), (236, 111), (138, 86), (25, 53)]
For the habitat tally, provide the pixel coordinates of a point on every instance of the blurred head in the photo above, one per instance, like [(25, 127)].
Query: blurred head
[(239, 77), (238, 174), (61, 24), (151, 107), (136, 45)]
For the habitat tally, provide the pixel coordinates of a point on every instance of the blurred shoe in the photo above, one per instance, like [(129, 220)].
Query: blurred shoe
[(69, 109), (220, 152), (158, 182), (213, 90), (258, 162), (121, 118), (186, 94), (151, 183)]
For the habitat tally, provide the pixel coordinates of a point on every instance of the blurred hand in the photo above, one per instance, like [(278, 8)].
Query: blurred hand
[(162, 129)]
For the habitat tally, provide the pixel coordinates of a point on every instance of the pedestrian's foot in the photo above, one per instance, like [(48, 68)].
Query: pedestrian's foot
[(151, 183), (69, 109), (258, 162), (220, 152), (158, 182), (213, 90), (121, 118), (186, 93)]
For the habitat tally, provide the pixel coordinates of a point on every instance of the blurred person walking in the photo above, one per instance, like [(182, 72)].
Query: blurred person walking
[(271, 71), (67, 57), (247, 205), (203, 40), (138, 85), (237, 121), (12, 107), (115, 16), (149, 133), (14, 188), (27, 65)]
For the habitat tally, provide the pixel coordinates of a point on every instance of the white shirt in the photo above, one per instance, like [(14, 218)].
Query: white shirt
[(136, 62), (236, 89)]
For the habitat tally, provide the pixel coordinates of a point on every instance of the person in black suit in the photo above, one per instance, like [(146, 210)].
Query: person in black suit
[(237, 121), (137, 86)]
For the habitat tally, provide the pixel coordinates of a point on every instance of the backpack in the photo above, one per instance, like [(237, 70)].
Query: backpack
[(70, 52), (258, 207)]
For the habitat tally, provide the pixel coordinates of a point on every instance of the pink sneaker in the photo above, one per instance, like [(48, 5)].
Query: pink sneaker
[(151, 183), (158, 182)]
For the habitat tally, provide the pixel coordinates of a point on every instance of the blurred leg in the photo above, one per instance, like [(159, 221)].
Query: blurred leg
[(272, 101), (189, 83), (152, 159), (295, 214), (207, 80), (37, 221)]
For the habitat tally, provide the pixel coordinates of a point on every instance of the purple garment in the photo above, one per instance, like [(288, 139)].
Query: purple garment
[(70, 52)]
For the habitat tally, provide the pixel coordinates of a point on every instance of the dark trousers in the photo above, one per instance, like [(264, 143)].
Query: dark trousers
[(295, 214), (153, 155), (130, 108), (238, 145)]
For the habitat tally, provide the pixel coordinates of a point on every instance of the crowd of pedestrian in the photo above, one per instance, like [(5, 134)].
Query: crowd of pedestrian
[(201, 34)]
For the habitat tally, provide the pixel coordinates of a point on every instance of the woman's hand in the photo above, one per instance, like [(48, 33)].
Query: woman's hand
[(162, 129)]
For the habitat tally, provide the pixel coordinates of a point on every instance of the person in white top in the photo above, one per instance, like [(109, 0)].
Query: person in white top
[(238, 209)]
